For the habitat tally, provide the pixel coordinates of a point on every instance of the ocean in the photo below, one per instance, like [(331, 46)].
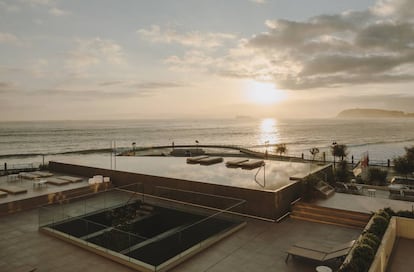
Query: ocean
[(383, 139)]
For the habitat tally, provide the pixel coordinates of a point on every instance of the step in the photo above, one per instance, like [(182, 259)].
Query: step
[(329, 211), (333, 218), (325, 191), (324, 222), (333, 214)]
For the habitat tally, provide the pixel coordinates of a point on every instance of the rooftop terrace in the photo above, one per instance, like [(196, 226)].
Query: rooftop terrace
[(260, 246)]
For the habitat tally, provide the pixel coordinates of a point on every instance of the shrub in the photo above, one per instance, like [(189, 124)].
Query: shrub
[(384, 214), (377, 176), (372, 237), (407, 214), (355, 265), (389, 211), (374, 244), (363, 251), (379, 225), (362, 257)]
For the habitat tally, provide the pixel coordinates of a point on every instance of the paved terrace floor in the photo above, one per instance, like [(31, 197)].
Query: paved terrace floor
[(260, 246), (401, 259), (362, 203)]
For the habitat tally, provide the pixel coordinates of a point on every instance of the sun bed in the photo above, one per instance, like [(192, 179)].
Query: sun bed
[(26, 175), (56, 181), (318, 251), (14, 190), (252, 164), (235, 163), (42, 174), (349, 188), (71, 179), (196, 159), (211, 160)]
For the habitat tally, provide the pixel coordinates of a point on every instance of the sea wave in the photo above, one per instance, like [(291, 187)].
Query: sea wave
[(83, 151)]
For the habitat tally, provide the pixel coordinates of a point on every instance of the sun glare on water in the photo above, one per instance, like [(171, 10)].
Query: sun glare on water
[(264, 93)]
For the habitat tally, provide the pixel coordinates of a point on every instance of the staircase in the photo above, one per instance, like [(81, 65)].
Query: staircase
[(313, 213), (324, 189)]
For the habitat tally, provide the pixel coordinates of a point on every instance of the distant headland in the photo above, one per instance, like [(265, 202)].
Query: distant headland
[(373, 113)]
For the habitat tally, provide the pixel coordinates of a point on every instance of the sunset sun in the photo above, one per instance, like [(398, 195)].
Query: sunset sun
[(264, 93)]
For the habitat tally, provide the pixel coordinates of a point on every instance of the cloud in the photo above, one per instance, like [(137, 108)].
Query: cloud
[(111, 83), (327, 51), (51, 6), (58, 12), (8, 38), (401, 9), (170, 35), (8, 7), (386, 101), (157, 85), (7, 87), (350, 48), (258, 1), (82, 94), (91, 52), (39, 68), (39, 2)]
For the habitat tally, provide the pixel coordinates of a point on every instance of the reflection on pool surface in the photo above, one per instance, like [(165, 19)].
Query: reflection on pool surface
[(274, 175)]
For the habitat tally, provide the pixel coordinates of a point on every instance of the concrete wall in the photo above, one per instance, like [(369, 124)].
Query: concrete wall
[(266, 204), (405, 227), (385, 249), (398, 227)]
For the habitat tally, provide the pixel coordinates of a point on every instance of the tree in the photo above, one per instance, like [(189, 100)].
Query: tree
[(314, 151), (339, 150), (281, 149), (341, 173), (403, 165), (409, 153)]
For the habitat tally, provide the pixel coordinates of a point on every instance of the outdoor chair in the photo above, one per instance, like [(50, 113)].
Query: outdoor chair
[(318, 252)]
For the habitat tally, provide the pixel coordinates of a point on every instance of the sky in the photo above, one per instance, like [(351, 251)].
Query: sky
[(141, 59)]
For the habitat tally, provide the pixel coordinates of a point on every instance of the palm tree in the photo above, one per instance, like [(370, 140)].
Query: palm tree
[(281, 149), (314, 151), (339, 150)]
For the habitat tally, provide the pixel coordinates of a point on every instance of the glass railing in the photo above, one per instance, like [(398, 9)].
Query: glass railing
[(149, 231), (82, 205)]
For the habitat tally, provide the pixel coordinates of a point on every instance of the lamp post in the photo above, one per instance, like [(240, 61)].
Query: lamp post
[(266, 152), (133, 147), (334, 144)]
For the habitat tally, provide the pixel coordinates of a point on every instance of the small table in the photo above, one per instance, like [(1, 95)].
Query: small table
[(371, 192), (323, 268)]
